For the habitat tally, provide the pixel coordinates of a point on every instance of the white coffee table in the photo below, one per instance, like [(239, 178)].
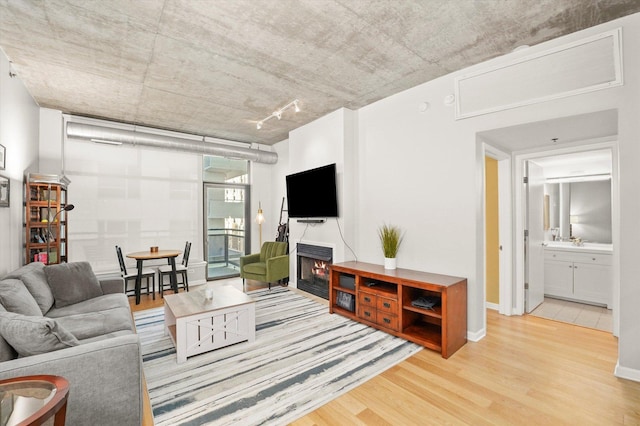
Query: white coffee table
[(197, 325)]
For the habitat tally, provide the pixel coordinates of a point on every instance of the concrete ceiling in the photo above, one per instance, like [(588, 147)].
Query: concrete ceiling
[(217, 67)]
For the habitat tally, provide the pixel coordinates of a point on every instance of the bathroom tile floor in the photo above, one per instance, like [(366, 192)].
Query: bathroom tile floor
[(575, 313)]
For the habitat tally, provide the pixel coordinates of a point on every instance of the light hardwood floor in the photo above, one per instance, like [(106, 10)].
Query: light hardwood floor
[(526, 371)]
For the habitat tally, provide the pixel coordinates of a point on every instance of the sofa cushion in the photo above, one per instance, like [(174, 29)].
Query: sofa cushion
[(101, 303), (105, 336), (32, 276), (72, 283), (15, 297), (88, 325), (30, 335)]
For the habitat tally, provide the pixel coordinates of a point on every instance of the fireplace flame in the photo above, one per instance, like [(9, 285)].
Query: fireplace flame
[(320, 268)]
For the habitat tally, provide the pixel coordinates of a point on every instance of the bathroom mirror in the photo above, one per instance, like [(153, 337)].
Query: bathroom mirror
[(579, 209)]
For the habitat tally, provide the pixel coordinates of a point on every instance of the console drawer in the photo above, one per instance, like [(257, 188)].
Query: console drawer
[(367, 299), (387, 305), (387, 320), (367, 313)]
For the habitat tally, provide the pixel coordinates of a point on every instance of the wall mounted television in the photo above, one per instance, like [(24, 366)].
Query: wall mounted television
[(312, 193)]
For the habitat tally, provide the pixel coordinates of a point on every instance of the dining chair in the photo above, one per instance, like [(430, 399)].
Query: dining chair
[(147, 274), (181, 270)]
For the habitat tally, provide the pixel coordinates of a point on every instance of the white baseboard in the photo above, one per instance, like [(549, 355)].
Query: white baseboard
[(627, 373), (476, 336), (493, 306)]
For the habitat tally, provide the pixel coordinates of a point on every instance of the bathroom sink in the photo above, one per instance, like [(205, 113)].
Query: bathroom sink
[(586, 246)]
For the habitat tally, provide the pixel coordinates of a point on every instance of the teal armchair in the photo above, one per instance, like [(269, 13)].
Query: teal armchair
[(270, 265)]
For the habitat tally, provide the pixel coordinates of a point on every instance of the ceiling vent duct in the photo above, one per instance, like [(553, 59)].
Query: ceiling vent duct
[(131, 137)]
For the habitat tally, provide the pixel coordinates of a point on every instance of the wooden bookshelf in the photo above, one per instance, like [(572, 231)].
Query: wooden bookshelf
[(383, 299), (42, 202)]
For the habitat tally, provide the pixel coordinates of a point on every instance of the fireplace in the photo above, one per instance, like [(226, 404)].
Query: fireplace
[(313, 269)]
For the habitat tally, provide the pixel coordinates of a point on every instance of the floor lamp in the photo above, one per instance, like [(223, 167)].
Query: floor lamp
[(66, 208), (260, 220)]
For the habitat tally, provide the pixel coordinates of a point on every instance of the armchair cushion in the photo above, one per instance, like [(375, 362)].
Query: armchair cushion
[(34, 335), (72, 283), (271, 249), (257, 268)]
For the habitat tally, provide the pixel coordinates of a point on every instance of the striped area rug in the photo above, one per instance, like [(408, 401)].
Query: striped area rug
[(302, 358)]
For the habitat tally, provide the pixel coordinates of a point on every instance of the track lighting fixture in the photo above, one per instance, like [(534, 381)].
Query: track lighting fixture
[(278, 113)]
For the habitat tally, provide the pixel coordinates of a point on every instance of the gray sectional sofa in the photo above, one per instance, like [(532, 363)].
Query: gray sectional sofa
[(62, 320)]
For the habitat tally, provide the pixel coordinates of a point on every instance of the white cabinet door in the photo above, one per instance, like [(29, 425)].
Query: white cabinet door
[(592, 283), (558, 278)]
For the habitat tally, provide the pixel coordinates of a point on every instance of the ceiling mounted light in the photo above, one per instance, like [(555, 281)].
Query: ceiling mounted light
[(278, 113)]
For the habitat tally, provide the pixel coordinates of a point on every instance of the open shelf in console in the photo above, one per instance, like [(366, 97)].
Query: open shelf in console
[(381, 288), (412, 298)]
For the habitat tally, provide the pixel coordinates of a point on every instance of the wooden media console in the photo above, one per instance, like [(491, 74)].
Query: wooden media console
[(387, 299)]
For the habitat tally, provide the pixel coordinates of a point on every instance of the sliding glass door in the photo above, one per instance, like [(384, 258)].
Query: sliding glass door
[(225, 211)]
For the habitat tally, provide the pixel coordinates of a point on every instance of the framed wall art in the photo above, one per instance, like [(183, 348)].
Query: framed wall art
[(3, 157), (4, 191)]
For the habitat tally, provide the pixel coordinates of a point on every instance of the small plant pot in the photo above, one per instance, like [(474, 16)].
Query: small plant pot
[(389, 263)]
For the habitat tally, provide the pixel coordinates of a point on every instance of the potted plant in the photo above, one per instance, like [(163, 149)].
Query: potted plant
[(390, 239)]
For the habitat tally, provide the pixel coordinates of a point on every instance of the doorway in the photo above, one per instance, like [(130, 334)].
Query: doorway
[(584, 132), (576, 266), (585, 269)]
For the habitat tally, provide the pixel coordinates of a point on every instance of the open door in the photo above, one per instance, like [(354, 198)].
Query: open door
[(534, 237)]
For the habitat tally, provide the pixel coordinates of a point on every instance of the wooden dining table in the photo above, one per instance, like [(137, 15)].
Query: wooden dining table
[(141, 256)]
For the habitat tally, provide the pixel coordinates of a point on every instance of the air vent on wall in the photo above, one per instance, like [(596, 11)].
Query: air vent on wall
[(590, 64)]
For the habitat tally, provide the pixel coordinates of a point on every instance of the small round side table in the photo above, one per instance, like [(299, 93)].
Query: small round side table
[(33, 400)]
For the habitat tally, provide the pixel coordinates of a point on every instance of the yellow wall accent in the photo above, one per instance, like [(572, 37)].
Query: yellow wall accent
[(493, 241)]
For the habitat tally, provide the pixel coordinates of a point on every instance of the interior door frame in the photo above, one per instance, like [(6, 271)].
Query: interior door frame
[(519, 217), (534, 294), (505, 215)]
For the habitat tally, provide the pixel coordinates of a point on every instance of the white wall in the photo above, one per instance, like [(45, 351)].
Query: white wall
[(327, 140), (19, 135), (422, 171)]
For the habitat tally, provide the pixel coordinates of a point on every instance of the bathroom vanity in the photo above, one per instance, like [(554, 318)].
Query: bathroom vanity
[(579, 273)]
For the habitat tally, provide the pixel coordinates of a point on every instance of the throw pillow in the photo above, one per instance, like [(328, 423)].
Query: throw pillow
[(32, 276), (15, 297), (34, 335), (72, 283), (6, 351)]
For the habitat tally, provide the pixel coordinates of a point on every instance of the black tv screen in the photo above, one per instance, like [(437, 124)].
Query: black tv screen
[(312, 193)]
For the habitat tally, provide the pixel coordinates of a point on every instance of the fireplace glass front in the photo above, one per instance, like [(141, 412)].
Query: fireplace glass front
[(313, 269)]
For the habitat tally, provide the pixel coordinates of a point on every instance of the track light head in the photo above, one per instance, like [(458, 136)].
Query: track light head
[(278, 113)]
